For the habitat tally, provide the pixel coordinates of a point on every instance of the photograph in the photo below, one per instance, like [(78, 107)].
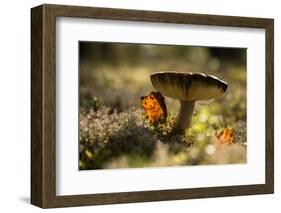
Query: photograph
[(159, 105), (169, 105)]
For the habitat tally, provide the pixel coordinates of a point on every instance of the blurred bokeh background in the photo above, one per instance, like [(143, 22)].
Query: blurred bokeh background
[(113, 77)]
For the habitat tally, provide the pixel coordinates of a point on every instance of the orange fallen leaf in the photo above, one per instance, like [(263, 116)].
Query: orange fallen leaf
[(225, 137), (154, 107)]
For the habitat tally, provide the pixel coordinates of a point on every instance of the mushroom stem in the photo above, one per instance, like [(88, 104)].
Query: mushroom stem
[(185, 114)]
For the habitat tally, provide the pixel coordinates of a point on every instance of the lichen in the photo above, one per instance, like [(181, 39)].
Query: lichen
[(109, 139)]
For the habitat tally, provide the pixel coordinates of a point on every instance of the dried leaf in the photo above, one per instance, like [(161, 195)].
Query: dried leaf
[(154, 107), (225, 137)]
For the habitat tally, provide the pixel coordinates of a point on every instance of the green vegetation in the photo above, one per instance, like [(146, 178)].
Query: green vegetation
[(114, 132)]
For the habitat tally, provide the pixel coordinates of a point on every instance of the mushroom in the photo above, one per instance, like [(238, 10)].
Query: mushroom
[(187, 87)]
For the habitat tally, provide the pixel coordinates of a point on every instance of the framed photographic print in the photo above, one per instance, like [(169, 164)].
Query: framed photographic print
[(136, 106)]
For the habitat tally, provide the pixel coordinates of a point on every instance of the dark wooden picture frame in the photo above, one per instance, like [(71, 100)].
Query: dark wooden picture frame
[(43, 105)]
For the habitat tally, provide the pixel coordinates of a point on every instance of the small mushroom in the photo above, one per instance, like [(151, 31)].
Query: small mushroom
[(187, 87)]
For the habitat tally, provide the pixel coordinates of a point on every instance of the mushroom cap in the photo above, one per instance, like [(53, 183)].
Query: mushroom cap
[(188, 86)]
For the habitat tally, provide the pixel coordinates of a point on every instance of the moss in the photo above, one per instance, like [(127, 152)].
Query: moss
[(109, 139)]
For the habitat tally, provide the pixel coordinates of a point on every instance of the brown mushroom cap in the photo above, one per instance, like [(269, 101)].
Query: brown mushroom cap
[(188, 86)]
